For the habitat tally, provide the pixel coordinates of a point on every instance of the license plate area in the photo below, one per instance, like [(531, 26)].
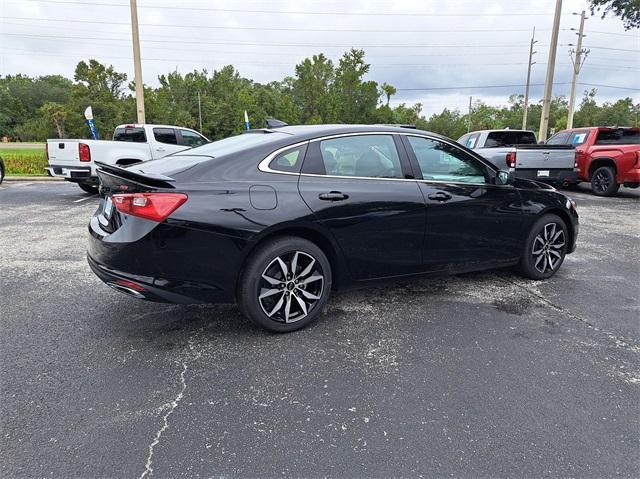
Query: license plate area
[(543, 173)]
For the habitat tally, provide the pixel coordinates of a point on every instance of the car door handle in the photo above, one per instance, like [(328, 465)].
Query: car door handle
[(159, 149), (333, 196), (440, 196)]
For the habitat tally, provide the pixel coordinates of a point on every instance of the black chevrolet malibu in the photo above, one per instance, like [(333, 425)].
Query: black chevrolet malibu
[(275, 219)]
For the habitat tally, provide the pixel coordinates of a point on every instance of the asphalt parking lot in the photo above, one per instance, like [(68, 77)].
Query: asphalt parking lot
[(475, 375)]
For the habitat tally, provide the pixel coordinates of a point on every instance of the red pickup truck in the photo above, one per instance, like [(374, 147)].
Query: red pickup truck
[(606, 156)]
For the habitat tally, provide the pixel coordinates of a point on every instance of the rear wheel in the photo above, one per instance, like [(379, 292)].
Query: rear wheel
[(603, 181), (285, 285), (90, 188), (545, 248), (1, 171)]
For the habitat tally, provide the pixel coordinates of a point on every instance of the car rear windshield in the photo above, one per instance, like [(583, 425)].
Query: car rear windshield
[(182, 161), (620, 136), (496, 139), (135, 135)]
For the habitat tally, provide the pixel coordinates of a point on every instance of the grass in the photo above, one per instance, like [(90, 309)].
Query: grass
[(24, 161)]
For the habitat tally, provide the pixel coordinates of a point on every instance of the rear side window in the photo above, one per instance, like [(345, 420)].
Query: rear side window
[(289, 160), (366, 156), (561, 138), (135, 135), (618, 137), (578, 137), (497, 139), (165, 135)]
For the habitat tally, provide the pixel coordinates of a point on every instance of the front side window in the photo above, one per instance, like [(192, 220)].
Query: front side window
[(561, 138), (165, 135), (289, 160), (440, 161), (370, 156), (192, 139)]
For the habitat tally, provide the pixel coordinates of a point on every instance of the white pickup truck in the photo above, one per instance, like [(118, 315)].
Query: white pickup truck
[(73, 160), (519, 151)]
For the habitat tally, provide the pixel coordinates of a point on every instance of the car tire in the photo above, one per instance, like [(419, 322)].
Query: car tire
[(1, 171), (285, 284), (545, 248), (90, 188), (603, 182)]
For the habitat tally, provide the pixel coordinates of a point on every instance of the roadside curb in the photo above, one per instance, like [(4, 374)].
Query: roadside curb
[(32, 178)]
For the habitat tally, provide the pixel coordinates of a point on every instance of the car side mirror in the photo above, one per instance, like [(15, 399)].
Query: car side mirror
[(504, 178)]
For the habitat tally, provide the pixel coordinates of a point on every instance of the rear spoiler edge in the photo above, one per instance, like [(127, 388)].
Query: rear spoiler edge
[(148, 179)]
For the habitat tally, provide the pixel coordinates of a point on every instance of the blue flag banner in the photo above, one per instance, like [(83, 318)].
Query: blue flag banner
[(246, 121), (88, 114)]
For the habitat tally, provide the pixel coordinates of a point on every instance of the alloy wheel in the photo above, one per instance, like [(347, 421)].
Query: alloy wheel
[(601, 181), (547, 250), (290, 287)]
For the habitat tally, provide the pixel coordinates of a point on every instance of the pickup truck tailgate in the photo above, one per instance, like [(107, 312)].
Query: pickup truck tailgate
[(64, 153), (547, 158), (70, 159)]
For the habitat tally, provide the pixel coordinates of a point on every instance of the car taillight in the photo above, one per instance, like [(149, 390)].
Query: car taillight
[(637, 165), (84, 152), (150, 206), (580, 157), (511, 159)]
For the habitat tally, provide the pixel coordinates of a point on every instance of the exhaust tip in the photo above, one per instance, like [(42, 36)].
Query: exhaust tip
[(126, 290)]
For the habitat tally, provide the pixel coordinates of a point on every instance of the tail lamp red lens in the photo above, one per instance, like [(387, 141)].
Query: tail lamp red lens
[(150, 206), (637, 164), (511, 159), (84, 152), (129, 284)]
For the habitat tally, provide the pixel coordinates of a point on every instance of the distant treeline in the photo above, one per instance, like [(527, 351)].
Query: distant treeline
[(33, 109)]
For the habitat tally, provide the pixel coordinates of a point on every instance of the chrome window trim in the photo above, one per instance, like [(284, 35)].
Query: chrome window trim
[(264, 164)]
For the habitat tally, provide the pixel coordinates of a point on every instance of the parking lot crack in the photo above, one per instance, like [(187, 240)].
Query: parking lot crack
[(171, 407), (620, 341)]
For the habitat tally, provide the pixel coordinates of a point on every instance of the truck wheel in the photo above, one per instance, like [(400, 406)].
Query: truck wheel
[(603, 182), (90, 188)]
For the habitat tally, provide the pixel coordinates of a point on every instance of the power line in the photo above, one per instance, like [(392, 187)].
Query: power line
[(200, 42), (292, 12), (474, 87), (275, 29)]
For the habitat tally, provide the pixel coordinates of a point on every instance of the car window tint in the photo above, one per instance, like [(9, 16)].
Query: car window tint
[(192, 139), (440, 161), (497, 139), (561, 138), (165, 135), (289, 160), (618, 137), (373, 156), (134, 135)]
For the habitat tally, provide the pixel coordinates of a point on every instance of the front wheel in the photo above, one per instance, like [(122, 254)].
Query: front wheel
[(90, 188), (603, 181), (545, 248), (285, 284)]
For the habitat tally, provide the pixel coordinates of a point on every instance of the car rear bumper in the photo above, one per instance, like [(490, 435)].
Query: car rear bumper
[(632, 176), (71, 173), (549, 176)]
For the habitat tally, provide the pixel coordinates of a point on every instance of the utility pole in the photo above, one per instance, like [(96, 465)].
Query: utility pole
[(137, 66), (469, 116), (577, 66), (526, 91), (200, 111), (551, 64)]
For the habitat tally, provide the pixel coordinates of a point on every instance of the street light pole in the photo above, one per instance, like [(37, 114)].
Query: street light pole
[(526, 91), (577, 65), (137, 65), (551, 64)]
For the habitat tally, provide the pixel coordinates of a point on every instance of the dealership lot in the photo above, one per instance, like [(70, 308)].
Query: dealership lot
[(476, 375)]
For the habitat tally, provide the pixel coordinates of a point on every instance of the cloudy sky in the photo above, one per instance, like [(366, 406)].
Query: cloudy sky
[(433, 52)]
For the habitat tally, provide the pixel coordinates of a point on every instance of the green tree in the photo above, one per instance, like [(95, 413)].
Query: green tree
[(56, 114), (627, 10), (356, 99), (311, 89)]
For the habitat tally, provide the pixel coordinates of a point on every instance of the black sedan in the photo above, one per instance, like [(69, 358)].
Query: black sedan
[(277, 218)]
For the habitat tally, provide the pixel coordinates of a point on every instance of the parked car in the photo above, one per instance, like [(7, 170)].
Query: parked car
[(73, 160), (276, 219), (519, 151), (607, 156), (2, 170)]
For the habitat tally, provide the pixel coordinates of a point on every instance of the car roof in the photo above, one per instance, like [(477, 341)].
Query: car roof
[(305, 132), (500, 130)]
